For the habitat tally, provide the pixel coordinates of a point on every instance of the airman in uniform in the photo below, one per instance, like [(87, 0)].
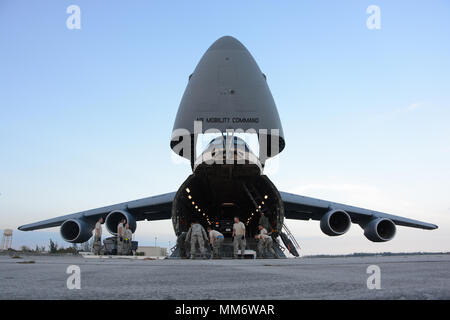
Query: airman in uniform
[(265, 242), (128, 237), (238, 238), (216, 240), (264, 221), (120, 235), (97, 244), (197, 234)]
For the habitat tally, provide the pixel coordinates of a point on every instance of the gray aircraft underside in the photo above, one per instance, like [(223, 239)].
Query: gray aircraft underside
[(227, 90)]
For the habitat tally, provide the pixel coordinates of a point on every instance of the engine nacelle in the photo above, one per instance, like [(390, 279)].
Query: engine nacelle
[(380, 230), (335, 222), (115, 217), (76, 230)]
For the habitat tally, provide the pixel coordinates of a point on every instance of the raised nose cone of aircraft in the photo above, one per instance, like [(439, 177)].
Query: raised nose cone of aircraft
[(227, 90), (227, 43)]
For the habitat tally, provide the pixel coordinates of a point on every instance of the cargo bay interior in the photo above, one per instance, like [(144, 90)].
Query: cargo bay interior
[(215, 196)]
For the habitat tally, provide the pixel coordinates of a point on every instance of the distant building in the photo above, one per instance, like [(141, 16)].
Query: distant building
[(152, 251)]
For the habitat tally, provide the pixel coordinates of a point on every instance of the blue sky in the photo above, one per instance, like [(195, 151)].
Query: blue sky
[(86, 115)]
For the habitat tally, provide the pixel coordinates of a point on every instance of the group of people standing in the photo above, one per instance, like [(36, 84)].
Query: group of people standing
[(124, 238), (265, 241), (198, 236)]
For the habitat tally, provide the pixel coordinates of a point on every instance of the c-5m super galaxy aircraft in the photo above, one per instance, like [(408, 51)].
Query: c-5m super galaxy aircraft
[(227, 91)]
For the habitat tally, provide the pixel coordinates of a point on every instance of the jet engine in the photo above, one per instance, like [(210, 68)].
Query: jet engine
[(76, 230), (115, 217), (380, 230), (335, 222)]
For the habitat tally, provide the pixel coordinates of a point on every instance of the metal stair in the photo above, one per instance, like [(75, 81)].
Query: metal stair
[(291, 236)]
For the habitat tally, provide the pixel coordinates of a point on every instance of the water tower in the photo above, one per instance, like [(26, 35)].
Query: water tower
[(6, 239)]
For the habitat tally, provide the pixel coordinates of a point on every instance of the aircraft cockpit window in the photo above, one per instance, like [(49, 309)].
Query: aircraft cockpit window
[(237, 143)]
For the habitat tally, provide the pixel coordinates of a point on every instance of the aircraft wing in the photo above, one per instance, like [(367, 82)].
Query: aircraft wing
[(152, 208), (305, 208)]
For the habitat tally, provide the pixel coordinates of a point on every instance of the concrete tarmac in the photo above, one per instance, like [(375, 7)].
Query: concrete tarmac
[(402, 277)]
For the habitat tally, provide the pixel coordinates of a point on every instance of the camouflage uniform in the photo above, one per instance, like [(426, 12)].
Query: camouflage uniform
[(120, 235), (197, 234), (218, 240), (265, 242), (97, 244), (126, 247), (239, 239)]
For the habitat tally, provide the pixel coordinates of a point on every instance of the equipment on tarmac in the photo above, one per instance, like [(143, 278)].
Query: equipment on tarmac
[(110, 246)]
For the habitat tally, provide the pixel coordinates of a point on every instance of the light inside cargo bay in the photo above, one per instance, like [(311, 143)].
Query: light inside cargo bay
[(225, 198)]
